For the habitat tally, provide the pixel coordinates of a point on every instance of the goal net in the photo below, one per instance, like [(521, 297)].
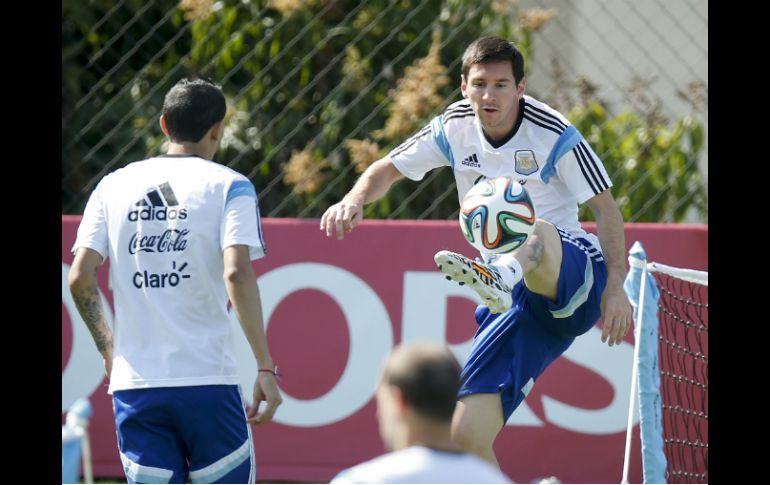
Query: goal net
[(670, 377)]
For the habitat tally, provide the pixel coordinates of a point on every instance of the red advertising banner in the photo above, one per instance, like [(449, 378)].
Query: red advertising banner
[(334, 309)]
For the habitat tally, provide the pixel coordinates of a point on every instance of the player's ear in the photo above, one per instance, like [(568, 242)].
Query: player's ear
[(463, 86), (217, 130), (400, 400), (163, 126)]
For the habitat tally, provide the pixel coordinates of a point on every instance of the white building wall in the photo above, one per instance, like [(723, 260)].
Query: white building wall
[(610, 41)]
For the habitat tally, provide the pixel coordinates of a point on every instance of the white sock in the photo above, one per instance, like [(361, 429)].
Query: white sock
[(509, 268)]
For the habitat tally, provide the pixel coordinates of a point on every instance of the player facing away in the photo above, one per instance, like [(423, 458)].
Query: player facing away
[(416, 398), (180, 231), (548, 291)]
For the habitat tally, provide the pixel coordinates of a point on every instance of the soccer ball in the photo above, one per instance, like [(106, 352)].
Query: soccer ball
[(497, 215)]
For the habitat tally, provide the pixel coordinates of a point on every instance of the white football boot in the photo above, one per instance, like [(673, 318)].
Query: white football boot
[(483, 278)]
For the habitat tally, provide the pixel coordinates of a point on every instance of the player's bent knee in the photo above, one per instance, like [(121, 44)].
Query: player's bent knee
[(546, 232)]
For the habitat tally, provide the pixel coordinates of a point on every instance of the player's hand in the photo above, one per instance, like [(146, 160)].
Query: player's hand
[(265, 389), (616, 314), (343, 216)]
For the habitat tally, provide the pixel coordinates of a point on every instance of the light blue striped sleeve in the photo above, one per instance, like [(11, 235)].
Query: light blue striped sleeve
[(242, 223)]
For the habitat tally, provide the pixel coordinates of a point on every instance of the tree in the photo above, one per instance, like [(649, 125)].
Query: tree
[(317, 90)]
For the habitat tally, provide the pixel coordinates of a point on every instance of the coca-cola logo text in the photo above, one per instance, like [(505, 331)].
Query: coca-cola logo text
[(170, 240)]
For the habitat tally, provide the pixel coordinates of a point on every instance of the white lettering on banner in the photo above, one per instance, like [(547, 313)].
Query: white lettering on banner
[(425, 309), (425, 297), (85, 367), (424, 318), (614, 365), (371, 339)]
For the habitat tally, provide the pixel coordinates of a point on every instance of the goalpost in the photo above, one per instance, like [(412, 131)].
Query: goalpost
[(670, 371)]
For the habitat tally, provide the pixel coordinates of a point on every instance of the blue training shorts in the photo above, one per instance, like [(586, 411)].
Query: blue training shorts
[(170, 434), (511, 349)]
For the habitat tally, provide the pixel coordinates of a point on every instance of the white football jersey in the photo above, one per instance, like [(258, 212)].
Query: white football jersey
[(164, 223), (546, 154), (419, 464)]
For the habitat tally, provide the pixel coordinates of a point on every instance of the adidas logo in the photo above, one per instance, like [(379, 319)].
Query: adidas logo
[(158, 205), (471, 161)]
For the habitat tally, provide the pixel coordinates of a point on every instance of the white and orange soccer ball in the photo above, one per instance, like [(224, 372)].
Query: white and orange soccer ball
[(497, 215)]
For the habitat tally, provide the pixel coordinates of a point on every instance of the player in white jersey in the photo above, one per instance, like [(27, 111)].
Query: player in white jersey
[(180, 231), (416, 398), (542, 295)]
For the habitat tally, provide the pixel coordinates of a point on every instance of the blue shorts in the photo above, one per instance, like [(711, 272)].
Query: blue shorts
[(170, 434), (511, 349)]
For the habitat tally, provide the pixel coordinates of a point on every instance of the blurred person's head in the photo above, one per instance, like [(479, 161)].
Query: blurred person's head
[(417, 395)]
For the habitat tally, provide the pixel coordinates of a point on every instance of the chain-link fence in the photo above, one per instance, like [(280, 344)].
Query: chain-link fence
[(317, 90)]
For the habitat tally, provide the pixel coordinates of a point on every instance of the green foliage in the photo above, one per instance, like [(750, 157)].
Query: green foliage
[(316, 77), (112, 86), (652, 162), (302, 77), (297, 75)]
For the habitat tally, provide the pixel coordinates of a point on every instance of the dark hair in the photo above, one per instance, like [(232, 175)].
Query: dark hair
[(429, 378), (192, 107), (493, 49)]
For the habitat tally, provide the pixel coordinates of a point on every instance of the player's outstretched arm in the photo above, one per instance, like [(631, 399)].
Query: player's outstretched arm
[(375, 182), (616, 310), (243, 291)]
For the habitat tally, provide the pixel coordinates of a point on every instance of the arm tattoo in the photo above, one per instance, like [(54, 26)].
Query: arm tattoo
[(90, 308)]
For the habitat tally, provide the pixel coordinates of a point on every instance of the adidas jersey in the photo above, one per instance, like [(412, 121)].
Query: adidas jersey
[(164, 223), (546, 154), (419, 464)]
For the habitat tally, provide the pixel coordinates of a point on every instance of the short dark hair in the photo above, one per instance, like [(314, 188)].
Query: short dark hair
[(192, 107), (493, 49), (428, 377)]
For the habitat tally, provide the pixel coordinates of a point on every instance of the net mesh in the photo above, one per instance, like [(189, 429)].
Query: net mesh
[(683, 359)]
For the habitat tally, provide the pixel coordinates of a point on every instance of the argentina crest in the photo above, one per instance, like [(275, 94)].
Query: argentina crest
[(525, 162)]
